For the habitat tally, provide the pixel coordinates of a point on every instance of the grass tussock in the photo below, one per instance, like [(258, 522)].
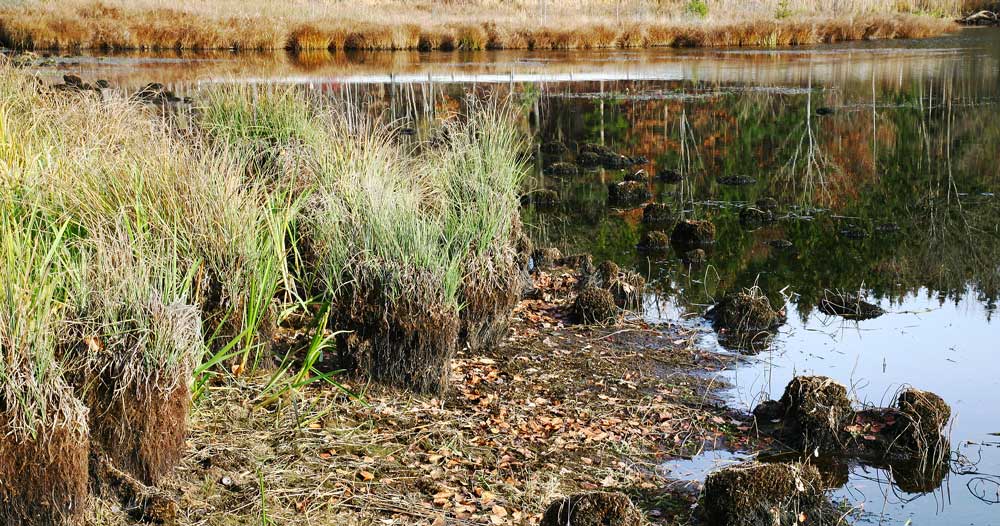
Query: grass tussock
[(411, 243), (43, 433), (481, 24)]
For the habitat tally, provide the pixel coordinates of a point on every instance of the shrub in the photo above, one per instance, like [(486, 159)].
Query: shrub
[(698, 8)]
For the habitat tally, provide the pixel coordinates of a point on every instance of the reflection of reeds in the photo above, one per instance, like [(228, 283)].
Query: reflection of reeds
[(384, 24), (805, 172)]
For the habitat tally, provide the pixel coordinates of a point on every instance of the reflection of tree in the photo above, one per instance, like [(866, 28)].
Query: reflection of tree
[(932, 144), (924, 156)]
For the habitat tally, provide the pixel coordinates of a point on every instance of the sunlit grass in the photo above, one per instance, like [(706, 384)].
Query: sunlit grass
[(482, 24)]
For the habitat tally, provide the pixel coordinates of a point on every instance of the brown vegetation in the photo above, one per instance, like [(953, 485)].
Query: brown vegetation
[(480, 24)]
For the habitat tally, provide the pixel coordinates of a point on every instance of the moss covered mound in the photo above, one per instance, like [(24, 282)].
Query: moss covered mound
[(818, 407), (655, 241), (746, 312), (657, 213), (848, 306), (595, 305), (691, 233), (628, 193), (593, 509), (764, 494), (926, 416), (755, 217)]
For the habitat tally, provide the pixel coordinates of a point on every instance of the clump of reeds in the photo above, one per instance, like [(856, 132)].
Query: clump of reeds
[(111, 158), (131, 344), (483, 165), (381, 255), (412, 247), (43, 431)]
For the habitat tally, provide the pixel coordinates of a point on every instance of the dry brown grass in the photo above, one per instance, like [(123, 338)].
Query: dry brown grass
[(469, 24)]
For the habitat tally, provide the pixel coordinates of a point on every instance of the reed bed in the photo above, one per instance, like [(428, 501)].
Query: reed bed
[(305, 25)]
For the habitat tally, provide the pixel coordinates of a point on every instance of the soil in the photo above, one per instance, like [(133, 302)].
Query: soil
[(43, 480), (555, 410)]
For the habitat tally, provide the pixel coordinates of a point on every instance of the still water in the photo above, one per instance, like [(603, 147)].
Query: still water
[(884, 160)]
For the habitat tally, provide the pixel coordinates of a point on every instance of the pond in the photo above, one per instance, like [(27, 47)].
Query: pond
[(882, 162)]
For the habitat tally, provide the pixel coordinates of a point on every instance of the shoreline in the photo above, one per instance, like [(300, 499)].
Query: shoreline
[(39, 31), (611, 404)]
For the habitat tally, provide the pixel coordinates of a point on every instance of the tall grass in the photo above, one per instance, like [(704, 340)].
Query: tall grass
[(130, 311), (33, 259), (404, 240), (471, 25)]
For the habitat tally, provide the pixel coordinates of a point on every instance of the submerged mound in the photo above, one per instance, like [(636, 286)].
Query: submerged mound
[(745, 312), (695, 256), (563, 169), (593, 509), (755, 217), (848, 306), (628, 193), (692, 232), (597, 155), (657, 213), (764, 494), (736, 180), (543, 198), (669, 175)]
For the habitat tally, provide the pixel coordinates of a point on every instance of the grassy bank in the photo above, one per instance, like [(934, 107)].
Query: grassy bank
[(471, 25), (150, 255)]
